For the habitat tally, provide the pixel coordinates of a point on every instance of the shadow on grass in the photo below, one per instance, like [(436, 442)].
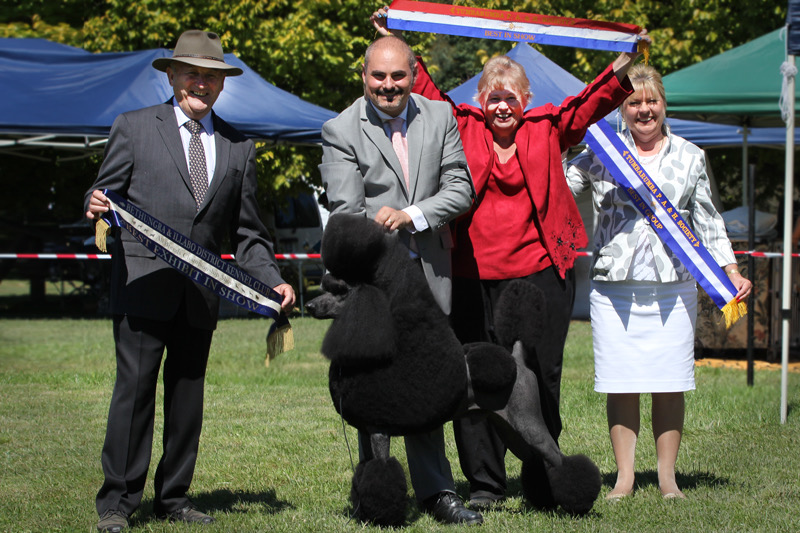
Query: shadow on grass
[(790, 407), (225, 501), (690, 481), (240, 501), (413, 513), (514, 489)]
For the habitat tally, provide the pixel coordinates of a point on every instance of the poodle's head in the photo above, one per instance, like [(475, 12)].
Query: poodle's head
[(352, 246), (330, 303)]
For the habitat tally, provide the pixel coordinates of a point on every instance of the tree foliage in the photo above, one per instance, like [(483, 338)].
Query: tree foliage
[(313, 48)]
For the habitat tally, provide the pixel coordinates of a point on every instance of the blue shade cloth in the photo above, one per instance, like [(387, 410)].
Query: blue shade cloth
[(551, 84), (58, 89), (793, 21)]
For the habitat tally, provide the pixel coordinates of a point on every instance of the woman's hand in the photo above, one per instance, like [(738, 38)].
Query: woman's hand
[(742, 284), (626, 59), (378, 19)]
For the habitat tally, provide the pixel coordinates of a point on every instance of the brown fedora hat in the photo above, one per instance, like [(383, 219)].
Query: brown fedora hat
[(201, 49)]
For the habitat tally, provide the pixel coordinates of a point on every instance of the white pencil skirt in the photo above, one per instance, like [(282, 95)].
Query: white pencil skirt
[(643, 336)]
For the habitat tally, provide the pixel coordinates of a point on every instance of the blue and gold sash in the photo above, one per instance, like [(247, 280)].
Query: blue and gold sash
[(665, 219)]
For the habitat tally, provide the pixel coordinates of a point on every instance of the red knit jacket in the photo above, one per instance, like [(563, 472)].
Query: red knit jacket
[(544, 133)]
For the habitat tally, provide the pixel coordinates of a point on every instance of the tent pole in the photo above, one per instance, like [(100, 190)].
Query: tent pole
[(751, 271), (788, 220), (745, 174)]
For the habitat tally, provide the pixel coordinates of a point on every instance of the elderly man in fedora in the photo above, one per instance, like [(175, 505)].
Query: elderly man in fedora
[(184, 165)]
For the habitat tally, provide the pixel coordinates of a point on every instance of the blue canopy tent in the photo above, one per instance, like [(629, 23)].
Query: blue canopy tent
[(54, 93)]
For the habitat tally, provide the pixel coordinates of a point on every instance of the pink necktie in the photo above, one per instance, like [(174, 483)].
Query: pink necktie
[(400, 145)]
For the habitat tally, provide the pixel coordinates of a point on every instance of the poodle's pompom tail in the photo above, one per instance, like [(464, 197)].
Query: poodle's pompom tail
[(379, 492), (575, 484), (520, 316), (491, 367)]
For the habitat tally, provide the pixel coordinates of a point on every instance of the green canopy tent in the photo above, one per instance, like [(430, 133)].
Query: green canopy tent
[(743, 86)]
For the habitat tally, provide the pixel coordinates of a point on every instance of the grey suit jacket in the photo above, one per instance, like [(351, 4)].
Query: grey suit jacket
[(361, 174), (145, 163)]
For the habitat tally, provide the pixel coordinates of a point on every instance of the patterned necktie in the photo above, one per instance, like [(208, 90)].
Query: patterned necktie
[(400, 145), (198, 172)]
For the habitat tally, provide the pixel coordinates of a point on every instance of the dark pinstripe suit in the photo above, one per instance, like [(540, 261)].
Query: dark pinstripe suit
[(156, 308)]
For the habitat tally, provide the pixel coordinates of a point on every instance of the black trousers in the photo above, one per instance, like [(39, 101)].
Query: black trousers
[(481, 452), (140, 345)]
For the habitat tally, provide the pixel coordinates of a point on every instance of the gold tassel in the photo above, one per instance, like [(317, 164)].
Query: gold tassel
[(101, 231), (279, 339), (733, 311), (644, 48)]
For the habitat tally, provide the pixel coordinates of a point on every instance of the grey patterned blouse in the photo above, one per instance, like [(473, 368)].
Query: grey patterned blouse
[(618, 224)]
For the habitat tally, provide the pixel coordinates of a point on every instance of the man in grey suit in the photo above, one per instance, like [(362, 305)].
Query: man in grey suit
[(155, 161), (413, 179)]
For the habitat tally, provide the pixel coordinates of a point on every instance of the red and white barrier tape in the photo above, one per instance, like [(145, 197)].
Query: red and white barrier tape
[(303, 257), (287, 257)]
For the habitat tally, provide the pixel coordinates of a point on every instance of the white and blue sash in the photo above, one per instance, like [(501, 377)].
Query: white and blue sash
[(199, 264), (665, 219)]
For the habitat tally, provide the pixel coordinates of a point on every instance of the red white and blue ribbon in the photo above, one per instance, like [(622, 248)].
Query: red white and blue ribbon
[(512, 26), (202, 266), (665, 219)]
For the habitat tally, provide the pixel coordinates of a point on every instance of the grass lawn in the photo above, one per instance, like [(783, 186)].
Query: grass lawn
[(273, 456)]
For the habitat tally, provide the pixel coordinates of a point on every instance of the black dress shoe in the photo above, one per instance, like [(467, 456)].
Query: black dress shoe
[(447, 508), (113, 521), (482, 503), (188, 514)]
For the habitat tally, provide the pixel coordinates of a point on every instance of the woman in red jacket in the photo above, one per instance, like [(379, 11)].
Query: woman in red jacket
[(524, 224)]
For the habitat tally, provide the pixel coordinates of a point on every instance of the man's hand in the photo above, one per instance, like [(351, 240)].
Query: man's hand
[(98, 205), (286, 290), (392, 219)]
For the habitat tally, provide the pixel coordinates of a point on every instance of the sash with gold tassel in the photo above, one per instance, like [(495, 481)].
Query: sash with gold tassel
[(665, 219), (200, 265)]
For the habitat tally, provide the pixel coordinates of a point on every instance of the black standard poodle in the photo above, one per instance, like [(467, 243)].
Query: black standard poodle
[(397, 368)]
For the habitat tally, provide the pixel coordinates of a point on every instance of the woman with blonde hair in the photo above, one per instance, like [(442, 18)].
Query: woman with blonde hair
[(524, 224), (643, 301)]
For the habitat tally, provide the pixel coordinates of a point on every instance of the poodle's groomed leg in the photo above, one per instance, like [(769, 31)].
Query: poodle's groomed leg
[(373, 445), (521, 423), (378, 491), (573, 482), (380, 444)]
